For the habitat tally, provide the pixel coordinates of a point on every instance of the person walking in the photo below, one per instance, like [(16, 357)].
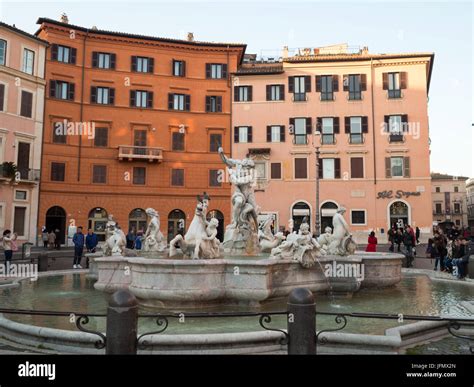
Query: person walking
[(44, 236), (372, 243), (9, 246), (51, 239), (78, 240)]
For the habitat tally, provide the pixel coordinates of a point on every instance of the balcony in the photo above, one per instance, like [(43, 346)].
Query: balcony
[(20, 176), (396, 138), (140, 153)]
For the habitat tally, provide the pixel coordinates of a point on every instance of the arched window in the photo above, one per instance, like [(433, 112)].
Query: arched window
[(399, 214), (56, 220), (299, 211), (98, 221), (328, 209), (176, 223), (137, 220)]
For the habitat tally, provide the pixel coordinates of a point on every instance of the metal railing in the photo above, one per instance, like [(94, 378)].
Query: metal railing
[(128, 152)]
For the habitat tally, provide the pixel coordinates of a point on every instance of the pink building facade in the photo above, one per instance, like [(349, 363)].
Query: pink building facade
[(367, 116), (22, 85)]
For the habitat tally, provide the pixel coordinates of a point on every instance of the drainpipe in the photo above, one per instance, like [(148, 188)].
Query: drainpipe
[(79, 156), (229, 85)]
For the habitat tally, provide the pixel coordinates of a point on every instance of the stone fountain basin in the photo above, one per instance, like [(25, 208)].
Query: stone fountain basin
[(194, 284)]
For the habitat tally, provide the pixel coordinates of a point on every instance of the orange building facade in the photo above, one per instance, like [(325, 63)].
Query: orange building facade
[(133, 122)]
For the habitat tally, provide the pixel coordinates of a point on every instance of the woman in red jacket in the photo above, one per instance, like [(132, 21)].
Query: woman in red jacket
[(372, 246)]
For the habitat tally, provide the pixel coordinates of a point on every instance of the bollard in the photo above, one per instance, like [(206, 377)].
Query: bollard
[(42, 262), (122, 317), (301, 322)]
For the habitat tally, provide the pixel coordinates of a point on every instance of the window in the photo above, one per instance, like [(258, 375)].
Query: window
[(213, 104), (101, 137), (458, 222), (177, 141), (300, 128), (61, 90), (139, 141), (242, 134), (396, 166), (357, 216), (177, 177), (3, 52), (438, 208), (357, 167), (327, 85), (216, 71), (21, 195), (99, 174), (102, 95), (275, 133), (141, 64), (260, 170), (457, 208), (60, 133), (301, 168), (356, 127), (355, 84), (438, 189), (329, 169), (28, 61), (2, 96), (214, 178), (58, 171), (242, 93), (275, 92), (299, 86), (394, 83), (19, 218), (395, 125), (179, 102), (139, 175), (327, 130), (63, 54), (456, 188), (103, 60), (275, 171), (141, 98), (26, 104), (215, 141), (179, 68)]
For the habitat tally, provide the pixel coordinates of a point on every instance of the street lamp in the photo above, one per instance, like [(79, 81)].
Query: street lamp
[(316, 211)]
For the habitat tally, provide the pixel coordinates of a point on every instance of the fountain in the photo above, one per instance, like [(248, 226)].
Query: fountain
[(251, 267)]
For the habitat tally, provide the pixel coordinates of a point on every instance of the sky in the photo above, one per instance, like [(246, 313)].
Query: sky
[(444, 28)]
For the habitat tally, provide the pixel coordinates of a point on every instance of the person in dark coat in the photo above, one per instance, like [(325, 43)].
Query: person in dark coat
[(417, 234), (408, 245)]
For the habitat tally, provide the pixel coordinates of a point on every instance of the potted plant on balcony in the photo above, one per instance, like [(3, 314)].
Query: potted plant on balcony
[(8, 170)]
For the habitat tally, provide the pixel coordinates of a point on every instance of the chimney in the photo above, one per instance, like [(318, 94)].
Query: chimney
[(94, 28), (64, 18), (190, 37), (365, 50), (285, 52)]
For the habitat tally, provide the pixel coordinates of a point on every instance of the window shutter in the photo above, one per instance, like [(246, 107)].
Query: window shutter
[(309, 125), (219, 104), (345, 82), (224, 71), (134, 63), (269, 92), (94, 59), (385, 81), (71, 91), (236, 93), (282, 92), (405, 122), (335, 83), (386, 120), (291, 84), (2, 96), (320, 168), (170, 101), (72, 58), (249, 92), (113, 58), (269, 133), (151, 65), (336, 125), (236, 134), (292, 126), (406, 167), (347, 125), (319, 124), (111, 96), (149, 99), (132, 98), (365, 125), (388, 167), (318, 83), (183, 68), (282, 133), (54, 52), (337, 168), (249, 134), (93, 94), (357, 167), (363, 82), (208, 70), (208, 104), (187, 102), (307, 84), (403, 80), (52, 88)]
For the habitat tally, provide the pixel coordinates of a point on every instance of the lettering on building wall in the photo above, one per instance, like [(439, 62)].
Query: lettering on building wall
[(397, 195)]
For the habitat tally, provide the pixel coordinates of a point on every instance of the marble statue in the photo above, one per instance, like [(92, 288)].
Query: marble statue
[(324, 240), (266, 239), (153, 238), (301, 247), (241, 236), (115, 243), (200, 241), (341, 241), (110, 226)]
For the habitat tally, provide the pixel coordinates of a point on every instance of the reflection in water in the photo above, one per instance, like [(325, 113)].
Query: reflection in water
[(74, 292)]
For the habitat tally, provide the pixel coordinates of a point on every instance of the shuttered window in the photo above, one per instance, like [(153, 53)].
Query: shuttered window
[(216, 70), (58, 171), (177, 141), (179, 102), (301, 168), (141, 98), (26, 109), (61, 90), (103, 60), (275, 171), (139, 175), (177, 177), (275, 92), (215, 141), (179, 68), (215, 178), (141, 64), (63, 54), (213, 104), (357, 167), (242, 93), (99, 174), (101, 137)]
